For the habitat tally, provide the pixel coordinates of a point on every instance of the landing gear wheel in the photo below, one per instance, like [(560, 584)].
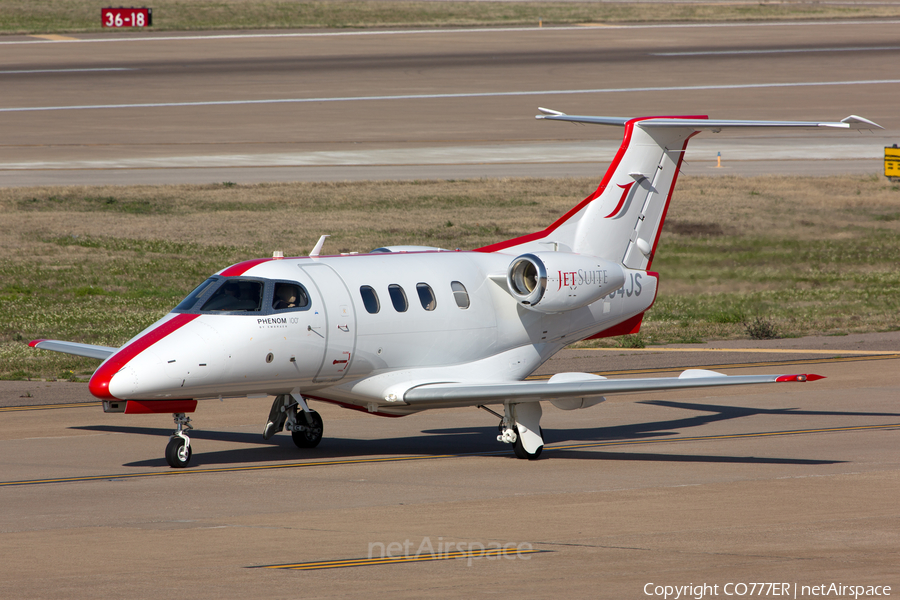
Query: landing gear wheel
[(178, 454), (521, 452), (312, 432)]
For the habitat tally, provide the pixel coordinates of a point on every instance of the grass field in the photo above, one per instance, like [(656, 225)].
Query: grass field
[(97, 264), (79, 16)]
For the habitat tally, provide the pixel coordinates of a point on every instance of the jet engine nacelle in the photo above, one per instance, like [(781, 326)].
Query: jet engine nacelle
[(553, 282)]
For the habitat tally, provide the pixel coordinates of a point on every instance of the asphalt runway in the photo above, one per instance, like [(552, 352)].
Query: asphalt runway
[(246, 107), (792, 484)]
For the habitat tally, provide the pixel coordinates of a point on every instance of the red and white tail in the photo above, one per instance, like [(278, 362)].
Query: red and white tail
[(621, 221)]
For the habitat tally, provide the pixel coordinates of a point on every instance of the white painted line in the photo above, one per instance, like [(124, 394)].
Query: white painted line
[(66, 71), (776, 51), (492, 30), (592, 152), (689, 88)]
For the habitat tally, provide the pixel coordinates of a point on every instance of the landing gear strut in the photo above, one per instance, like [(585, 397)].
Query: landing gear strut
[(306, 430), (178, 451), (520, 426)]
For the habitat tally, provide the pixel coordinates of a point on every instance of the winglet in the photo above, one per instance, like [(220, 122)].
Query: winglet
[(856, 122)]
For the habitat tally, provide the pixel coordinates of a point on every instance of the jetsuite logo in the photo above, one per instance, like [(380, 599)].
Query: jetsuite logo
[(573, 279)]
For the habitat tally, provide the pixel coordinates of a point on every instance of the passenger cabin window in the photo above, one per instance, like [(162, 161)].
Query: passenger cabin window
[(460, 294), (370, 299), (236, 295), (289, 296), (398, 297), (426, 296)]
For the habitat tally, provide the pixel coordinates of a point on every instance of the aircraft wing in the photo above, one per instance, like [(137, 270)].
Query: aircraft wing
[(578, 385), (89, 350)]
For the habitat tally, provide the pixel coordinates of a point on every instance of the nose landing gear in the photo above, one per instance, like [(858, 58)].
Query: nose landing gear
[(178, 451)]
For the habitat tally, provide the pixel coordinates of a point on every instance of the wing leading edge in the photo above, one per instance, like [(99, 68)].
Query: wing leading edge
[(586, 387)]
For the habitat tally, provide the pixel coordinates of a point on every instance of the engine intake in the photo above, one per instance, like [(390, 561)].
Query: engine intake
[(553, 282)]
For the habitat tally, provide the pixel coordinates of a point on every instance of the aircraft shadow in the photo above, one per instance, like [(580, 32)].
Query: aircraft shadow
[(479, 440)]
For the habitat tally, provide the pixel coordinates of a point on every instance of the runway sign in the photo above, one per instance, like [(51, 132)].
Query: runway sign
[(892, 162), (126, 17)]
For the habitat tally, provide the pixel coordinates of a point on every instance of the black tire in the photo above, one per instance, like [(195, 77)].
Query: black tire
[(522, 453), (309, 438), (177, 455)]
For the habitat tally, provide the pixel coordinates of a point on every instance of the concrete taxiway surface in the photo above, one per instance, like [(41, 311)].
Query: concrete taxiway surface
[(787, 483), (277, 106)]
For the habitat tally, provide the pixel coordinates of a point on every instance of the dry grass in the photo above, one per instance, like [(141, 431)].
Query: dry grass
[(97, 264), (71, 16)]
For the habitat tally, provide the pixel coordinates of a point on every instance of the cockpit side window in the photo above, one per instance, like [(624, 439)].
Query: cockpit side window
[(289, 296), (237, 295)]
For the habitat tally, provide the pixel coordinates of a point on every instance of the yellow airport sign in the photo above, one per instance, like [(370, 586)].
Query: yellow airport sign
[(892, 162)]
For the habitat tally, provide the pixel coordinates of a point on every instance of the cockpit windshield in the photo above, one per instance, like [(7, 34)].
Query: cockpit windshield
[(189, 302), (236, 295), (245, 295)]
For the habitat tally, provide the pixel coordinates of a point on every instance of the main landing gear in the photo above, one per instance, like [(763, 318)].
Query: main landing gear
[(306, 425), (178, 451), (521, 426)]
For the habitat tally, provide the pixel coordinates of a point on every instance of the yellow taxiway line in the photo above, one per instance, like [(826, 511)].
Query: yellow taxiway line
[(53, 37), (358, 461), (392, 560)]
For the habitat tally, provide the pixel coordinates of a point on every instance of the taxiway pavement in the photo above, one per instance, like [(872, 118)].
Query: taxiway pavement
[(786, 483)]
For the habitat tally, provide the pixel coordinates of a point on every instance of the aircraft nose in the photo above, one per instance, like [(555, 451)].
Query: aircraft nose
[(113, 376)]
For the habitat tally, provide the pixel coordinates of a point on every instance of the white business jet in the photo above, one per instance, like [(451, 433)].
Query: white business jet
[(409, 328)]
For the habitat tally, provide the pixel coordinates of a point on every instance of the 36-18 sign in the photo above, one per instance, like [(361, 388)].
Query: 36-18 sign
[(126, 17)]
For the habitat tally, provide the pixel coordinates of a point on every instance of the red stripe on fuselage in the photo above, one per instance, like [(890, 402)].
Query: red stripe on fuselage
[(99, 384), (243, 267)]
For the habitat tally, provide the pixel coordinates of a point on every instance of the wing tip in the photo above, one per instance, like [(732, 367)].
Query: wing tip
[(800, 378), (34, 343)]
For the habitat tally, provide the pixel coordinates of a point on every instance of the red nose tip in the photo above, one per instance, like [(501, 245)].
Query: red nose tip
[(99, 384)]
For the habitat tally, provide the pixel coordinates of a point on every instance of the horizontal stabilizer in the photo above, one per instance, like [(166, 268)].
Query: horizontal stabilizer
[(89, 350), (852, 122)]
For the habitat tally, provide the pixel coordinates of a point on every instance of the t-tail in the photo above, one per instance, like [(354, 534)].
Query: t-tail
[(622, 220)]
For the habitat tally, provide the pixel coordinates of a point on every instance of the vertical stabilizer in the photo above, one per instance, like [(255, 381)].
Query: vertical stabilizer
[(622, 219)]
